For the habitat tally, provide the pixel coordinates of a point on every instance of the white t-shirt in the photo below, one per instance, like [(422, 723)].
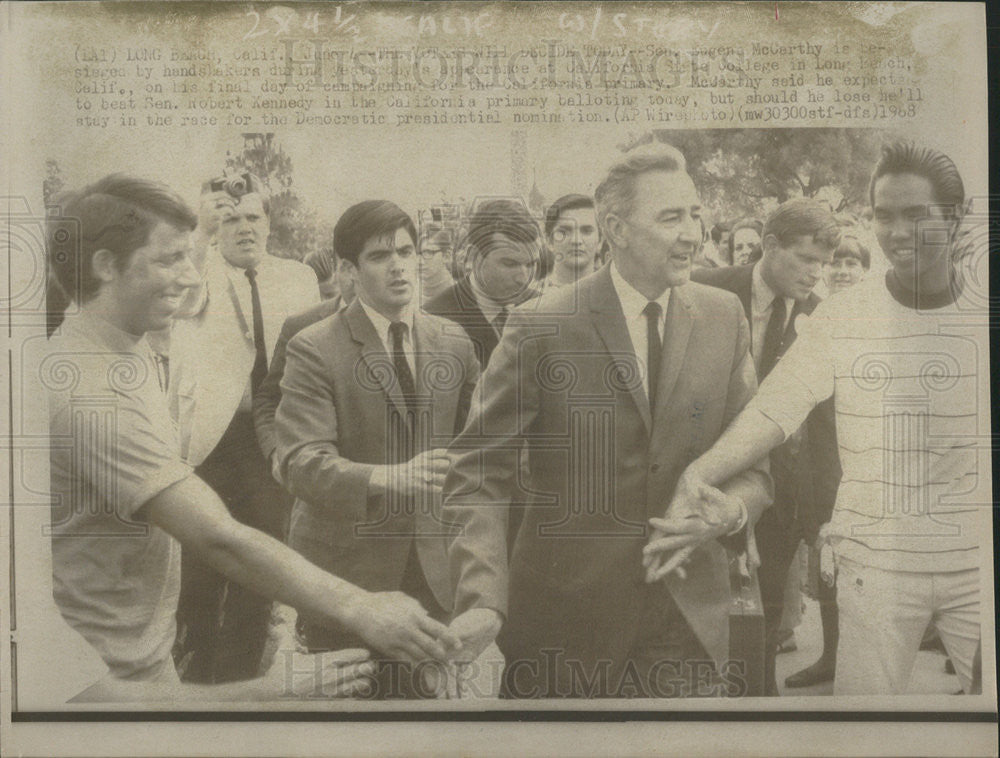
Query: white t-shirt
[(911, 391)]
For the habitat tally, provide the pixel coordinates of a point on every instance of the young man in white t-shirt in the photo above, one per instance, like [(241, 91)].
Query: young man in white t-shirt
[(901, 357)]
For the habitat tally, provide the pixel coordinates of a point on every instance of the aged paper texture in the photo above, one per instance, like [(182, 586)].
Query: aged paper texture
[(443, 110)]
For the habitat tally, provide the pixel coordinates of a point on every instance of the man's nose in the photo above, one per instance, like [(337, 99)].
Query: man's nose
[(188, 275)]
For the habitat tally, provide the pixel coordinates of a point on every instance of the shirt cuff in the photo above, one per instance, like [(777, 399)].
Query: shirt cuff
[(744, 517)]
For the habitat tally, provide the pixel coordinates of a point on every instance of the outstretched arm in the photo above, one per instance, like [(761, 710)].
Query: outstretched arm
[(391, 622)]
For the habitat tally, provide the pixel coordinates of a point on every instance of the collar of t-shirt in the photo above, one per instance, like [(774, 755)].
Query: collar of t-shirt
[(633, 303), (91, 326), (382, 324)]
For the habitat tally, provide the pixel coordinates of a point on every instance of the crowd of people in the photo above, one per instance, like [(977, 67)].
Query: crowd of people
[(516, 456)]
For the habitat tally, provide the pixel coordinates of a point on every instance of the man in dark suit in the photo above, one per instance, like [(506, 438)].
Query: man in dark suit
[(370, 397), (799, 238), (613, 386), (503, 252), (268, 395)]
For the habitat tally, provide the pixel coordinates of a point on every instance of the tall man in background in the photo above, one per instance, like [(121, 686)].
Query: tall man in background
[(219, 356), (799, 240)]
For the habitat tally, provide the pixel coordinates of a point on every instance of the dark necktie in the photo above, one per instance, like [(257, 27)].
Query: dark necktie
[(654, 345), (774, 337), (259, 370), (501, 320), (403, 373)]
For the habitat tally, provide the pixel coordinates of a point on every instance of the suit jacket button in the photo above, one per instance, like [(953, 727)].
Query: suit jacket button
[(655, 467)]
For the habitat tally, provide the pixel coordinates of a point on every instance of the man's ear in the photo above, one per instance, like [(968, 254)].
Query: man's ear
[(769, 243), (614, 227), (104, 266)]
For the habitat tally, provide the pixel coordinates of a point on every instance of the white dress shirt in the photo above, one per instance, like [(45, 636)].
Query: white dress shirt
[(633, 303), (382, 324)]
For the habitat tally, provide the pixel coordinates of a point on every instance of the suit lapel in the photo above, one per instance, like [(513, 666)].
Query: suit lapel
[(378, 367), (609, 321), (744, 289), (677, 332)]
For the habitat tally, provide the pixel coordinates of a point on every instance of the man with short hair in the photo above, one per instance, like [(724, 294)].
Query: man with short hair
[(502, 254), (370, 397), (573, 238), (219, 355), (798, 241), (612, 386), (125, 501), (437, 246), (902, 364)]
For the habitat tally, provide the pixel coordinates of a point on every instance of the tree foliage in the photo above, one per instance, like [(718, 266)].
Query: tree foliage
[(748, 172), (295, 230)]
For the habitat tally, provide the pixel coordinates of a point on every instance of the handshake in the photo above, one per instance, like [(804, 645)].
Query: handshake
[(697, 514)]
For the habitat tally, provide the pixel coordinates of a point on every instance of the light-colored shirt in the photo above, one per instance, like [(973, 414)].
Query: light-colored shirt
[(911, 390), (382, 324), (761, 306), (114, 446), (633, 303)]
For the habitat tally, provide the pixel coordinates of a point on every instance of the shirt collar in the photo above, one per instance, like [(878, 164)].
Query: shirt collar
[(490, 307), (381, 323), (761, 294), (634, 302)]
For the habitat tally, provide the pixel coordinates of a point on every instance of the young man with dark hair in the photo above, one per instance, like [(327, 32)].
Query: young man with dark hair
[(798, 241), (573, 239), (503, 249), (912, 509), (125, 501), (370, 397)]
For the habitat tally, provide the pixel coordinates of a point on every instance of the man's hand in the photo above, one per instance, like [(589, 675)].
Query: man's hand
[(423, 474), (475, 629), (397, 626), (340, 673), (697, 514)]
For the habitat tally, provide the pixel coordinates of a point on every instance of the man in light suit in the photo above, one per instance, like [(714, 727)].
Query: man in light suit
[(370, 397), (220, 349), (614, 386), (799, 239)]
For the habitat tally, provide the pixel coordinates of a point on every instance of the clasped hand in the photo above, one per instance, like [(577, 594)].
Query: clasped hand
[(697, 513)]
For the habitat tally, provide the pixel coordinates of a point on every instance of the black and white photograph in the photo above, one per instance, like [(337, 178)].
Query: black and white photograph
[(384, 376)]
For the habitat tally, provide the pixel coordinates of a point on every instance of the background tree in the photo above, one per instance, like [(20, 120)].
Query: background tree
[(53, 183), (295, 229), (749, 172)]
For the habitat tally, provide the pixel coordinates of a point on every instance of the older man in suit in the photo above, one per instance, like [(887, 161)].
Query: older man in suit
[(800, 237), (614, 386), (370, 397), (219, 352)]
